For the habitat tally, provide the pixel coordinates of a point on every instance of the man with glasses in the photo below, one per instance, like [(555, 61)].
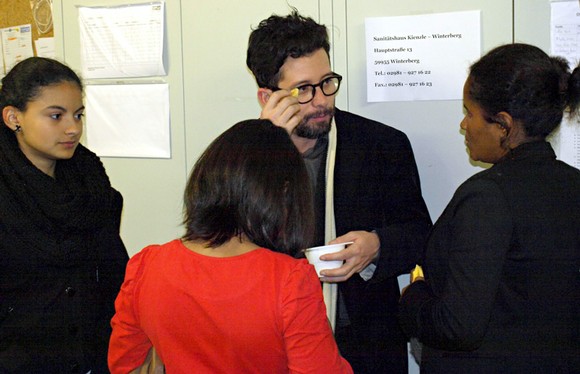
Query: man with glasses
[(365, 182)]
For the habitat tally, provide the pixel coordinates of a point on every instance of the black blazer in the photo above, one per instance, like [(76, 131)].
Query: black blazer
[(376, 187), (502, 290)]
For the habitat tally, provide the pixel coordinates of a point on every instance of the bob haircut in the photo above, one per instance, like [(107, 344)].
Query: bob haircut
[(24, 81), (277, 38), (525, 82), (251, 181)]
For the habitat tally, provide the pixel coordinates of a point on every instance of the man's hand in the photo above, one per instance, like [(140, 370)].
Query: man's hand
[(280, 107), (357, 256)]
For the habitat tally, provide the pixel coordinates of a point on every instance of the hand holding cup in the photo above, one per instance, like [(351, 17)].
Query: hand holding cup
[(313, 255)]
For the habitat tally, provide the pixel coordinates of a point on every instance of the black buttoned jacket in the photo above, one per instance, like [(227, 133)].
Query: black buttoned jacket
[(376, 188), (502, 267)]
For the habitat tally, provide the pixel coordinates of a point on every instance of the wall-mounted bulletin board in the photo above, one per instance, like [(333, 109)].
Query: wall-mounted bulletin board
[(25, 30)]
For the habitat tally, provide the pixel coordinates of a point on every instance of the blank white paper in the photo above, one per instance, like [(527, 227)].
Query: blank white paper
[(128, 120)]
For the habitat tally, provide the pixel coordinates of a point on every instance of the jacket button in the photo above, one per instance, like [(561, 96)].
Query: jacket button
[(70, 291)]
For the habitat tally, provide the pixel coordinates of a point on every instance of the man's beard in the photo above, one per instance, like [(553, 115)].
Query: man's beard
[(318, 130)]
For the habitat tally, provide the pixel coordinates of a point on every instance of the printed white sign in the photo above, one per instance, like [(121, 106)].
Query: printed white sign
[(424, 57)]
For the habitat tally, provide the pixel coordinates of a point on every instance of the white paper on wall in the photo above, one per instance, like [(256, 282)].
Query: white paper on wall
[(16, 44), (128, 120), (421, 57), (124, 41), (565, 42)]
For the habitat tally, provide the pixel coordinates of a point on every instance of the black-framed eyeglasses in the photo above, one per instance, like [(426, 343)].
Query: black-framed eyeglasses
[(329, 86)]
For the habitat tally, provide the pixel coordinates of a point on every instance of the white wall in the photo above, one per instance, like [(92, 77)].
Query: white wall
[(152, 188), (219, 90), (432, 126)]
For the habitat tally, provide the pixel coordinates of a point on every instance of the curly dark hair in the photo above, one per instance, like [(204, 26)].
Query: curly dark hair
[(525, 82), (277, 38), (251, 181)]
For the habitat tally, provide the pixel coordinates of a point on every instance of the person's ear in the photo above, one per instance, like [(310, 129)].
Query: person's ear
[(263, 95), (506, 125), (10, 117), (505, 122)]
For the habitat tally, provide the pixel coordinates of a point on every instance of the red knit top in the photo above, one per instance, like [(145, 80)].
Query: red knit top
[(259, 312)]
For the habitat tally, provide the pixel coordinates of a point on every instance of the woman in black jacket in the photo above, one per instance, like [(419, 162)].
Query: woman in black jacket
[(501, 292), (62, 260)]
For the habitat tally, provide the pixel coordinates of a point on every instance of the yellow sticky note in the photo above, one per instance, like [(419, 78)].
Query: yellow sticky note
[(417, 272)]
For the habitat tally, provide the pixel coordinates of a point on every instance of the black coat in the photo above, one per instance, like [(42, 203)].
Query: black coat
[(62, 262), (376, 187), (55, 317), (502, 290)]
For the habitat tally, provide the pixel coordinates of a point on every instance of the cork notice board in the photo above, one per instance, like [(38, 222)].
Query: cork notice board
[(37, 13)]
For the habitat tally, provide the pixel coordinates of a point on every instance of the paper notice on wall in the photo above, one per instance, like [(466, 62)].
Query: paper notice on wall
[(2, 68), (569, 142), (16, 44), (45, 47), (128, 120), (423, 57), (565, 30), (121, 42), (565, 42)]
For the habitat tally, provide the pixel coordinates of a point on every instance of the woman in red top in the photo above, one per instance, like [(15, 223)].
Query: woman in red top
[(229, 297)]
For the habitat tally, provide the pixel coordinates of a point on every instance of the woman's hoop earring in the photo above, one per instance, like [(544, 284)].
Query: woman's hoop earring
[(17, 128)]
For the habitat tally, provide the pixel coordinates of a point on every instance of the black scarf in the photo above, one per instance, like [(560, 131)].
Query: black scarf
[(53, 219)]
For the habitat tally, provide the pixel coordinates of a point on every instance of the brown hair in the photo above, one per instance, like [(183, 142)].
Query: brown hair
[(251, 181)]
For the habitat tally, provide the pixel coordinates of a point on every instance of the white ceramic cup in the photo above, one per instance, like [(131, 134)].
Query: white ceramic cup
[(313, 255)]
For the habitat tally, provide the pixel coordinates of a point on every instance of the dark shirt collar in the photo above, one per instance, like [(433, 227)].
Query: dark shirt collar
[(540, 148)]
